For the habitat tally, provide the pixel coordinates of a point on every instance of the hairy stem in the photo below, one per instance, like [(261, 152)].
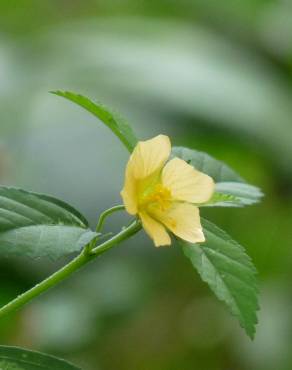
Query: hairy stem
[(69, 269)]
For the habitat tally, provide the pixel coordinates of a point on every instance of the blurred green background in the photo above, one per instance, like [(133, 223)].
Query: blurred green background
[(213, 75)]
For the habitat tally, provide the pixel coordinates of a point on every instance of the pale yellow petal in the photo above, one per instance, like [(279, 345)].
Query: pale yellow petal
[(149, 156), (186, 183), (143, 169), (155, 230), (130, 194), (183, 219)]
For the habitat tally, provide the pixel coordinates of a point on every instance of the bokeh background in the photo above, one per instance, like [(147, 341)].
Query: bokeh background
[(213, 75)]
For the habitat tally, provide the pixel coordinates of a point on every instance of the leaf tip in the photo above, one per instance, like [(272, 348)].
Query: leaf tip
[(62, 93)]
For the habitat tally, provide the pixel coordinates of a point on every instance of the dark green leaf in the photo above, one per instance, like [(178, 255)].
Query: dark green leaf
[(13, 358), (230, 273), (37, 225), (203, 162), (111, 119)]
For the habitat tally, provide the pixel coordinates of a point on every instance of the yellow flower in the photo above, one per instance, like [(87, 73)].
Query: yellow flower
[(165, 195)]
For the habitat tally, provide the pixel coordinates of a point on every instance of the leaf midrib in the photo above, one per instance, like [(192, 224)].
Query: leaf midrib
[(21, 361), (227, 257), (74, 219), (233, 299), (18, 203)]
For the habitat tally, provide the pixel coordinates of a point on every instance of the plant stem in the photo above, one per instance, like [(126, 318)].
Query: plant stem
[(69, 269), (105, 214), (126, 233)]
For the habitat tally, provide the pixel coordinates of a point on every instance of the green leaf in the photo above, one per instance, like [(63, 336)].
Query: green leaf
[(243, 194), (111, 119), (37, 225), (203, 162), (224, 265), (234, 194), (222, 200), (14, 358)]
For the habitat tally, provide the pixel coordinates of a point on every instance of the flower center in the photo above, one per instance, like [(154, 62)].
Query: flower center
[(159, 197)]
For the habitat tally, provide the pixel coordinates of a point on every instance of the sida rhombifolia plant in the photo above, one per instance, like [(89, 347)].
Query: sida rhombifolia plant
[(163, 191)]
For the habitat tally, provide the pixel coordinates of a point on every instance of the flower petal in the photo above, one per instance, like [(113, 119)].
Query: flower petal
[(186, 183), (183, 220), (129, 193), (149, 156), (155, 230), (143, 168)]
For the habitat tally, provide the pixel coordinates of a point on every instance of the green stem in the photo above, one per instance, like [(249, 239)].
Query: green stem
[(105, 214), (69, 269), (126, 233)]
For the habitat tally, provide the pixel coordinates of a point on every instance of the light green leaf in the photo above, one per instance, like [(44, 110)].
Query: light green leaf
[(224, 265), (37, 225), (234, 194), (203, 162), (14, 358), (222, 200), (111, 119), (244, 194)]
